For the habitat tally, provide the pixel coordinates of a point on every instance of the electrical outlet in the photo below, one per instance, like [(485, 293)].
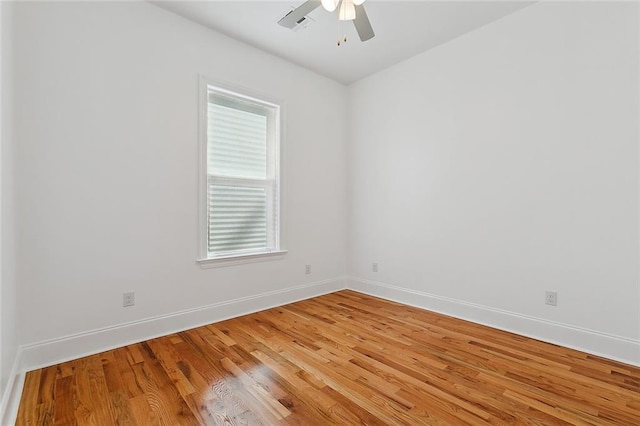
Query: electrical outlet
[(551, 298), (374, 266), (307, 269), (128, 299)]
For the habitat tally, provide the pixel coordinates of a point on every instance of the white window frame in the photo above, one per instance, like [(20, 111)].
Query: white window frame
[(238, 256)]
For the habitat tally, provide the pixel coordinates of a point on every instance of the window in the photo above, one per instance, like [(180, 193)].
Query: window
[(241, 186)]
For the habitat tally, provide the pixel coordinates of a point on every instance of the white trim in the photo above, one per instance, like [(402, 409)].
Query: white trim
[(267, 100), (54, 351), (237, 259), (606, 345), (11, 397), (202, 167)]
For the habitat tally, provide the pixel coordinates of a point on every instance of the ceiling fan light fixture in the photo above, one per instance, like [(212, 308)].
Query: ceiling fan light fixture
[(330, 5), (347, 11)]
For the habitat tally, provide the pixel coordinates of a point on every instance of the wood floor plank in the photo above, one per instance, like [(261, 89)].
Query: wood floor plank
[(92, 393), (223, 405), (64, 397), (29, 401), (122, 408), (342, 358)]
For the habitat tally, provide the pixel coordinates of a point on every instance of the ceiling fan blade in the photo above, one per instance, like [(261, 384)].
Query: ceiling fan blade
[(362, 24), (294, 17)]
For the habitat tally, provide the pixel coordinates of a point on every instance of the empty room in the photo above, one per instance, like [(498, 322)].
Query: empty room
[(319, 212)]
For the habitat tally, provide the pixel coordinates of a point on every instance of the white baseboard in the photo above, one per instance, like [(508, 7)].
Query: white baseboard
[(50, 352), (66, 348), (54, 351), (11, 396), (597, 343)]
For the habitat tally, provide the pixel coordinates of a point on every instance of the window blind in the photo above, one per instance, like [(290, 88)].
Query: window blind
[(241, 180), (237, 143), (237, 218)]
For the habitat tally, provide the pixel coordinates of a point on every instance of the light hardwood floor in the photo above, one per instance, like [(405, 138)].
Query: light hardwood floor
[(343, 358)]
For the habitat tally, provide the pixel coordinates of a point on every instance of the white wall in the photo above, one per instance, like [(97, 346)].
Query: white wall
[(8, 285), (503, 164), (107, 167), (482, 173)]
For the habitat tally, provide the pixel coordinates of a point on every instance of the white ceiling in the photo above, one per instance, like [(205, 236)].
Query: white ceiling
[(403, 29)]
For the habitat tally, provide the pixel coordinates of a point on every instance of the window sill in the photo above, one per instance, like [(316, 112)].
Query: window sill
[(239, 259)]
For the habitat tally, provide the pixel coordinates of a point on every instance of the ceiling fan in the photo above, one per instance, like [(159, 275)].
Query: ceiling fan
[(350, 10)]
